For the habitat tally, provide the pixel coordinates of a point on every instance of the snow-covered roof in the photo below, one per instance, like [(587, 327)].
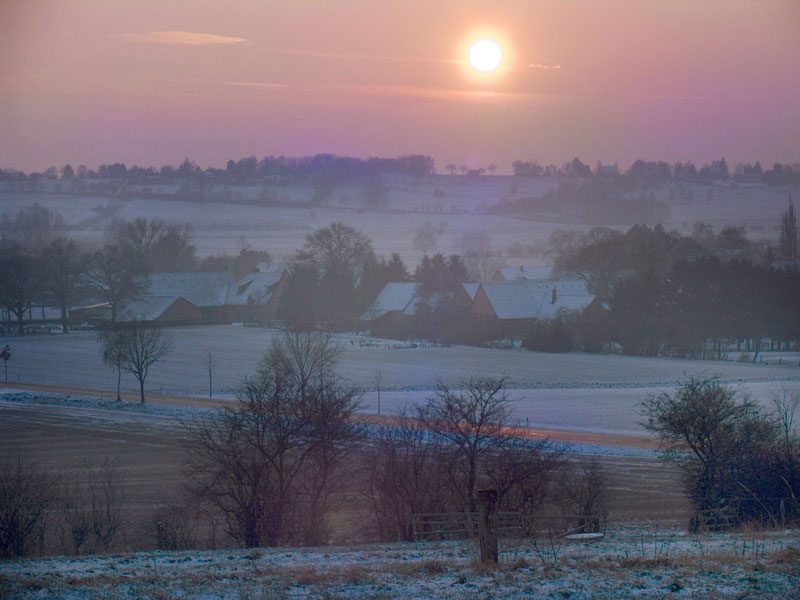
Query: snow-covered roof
[(199, 288), (258, 285), (523, 273), (535, 299), (396, 296), (471, 289), (148, 308)]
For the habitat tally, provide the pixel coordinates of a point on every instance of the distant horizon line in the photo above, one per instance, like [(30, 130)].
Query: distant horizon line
[(621, 166)]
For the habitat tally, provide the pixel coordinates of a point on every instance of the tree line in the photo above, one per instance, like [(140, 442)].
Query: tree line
[(339, 169), (643, 173), (673, 295)]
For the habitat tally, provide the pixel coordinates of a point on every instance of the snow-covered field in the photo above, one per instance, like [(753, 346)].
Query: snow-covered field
[(648, 562), (577, 392), (458, 202)]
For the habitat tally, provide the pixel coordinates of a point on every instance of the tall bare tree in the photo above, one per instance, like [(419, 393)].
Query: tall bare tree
[(153, 246), (471, 420), (65, 266), (112, 350), (32, 228), (340, 253), (20, 283), (272, 464), (110, 274), (788, 240), (26, 493), (141, 346)]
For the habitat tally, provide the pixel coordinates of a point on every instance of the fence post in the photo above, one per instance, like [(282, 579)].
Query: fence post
[(487, 535)]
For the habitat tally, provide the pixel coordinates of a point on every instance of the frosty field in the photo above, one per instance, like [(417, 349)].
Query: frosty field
[(576, 392), (645, 562)]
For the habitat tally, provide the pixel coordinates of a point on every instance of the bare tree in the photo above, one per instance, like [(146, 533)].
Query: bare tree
[(210, 362), (112, 351), (64, 266), (33, 228), (26, 492), (111, 275), (471, 420), (20, 283), (304, 358), (785, 402), (92, 506), (481, 261), (408, 475), (426, 236), (5, 354), (736, 461), (272, 464), (339, 253), (142, 345), (788, 239), (377, 380), (153, 246)]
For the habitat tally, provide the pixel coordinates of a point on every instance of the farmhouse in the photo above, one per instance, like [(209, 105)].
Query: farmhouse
[(394, 310), (198, 297), (219, 297), (164, 309), (520, 302)]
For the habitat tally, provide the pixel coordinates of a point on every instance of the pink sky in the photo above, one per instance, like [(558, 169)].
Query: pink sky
[(150, 82)]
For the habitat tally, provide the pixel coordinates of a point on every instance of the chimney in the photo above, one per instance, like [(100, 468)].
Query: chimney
[(553, 300)]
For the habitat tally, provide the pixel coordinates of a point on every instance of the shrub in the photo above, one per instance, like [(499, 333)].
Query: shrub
[(25, 494)]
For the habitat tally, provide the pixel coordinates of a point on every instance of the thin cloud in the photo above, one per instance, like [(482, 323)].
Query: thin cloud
[(395, 91), (181, 38), (365, 57), (259, 84), (543, 67)]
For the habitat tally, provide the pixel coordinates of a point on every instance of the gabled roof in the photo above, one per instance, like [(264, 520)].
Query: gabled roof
[(471, 289), (148, 308), (259, 286), (394, 297), (200, 288), (535, 299)]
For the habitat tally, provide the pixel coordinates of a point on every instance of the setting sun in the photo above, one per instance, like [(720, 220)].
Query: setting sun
[(485, 55)]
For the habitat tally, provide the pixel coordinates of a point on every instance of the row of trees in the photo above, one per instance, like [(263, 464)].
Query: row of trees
[(644, 173), (342, 169), (672, 294), (41, 265), (84, 509), (275, 465)]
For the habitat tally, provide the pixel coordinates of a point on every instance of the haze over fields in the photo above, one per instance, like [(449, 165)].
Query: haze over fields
[(542, 229)]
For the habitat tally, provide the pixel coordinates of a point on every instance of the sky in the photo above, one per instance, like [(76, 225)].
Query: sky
[(151, 82)]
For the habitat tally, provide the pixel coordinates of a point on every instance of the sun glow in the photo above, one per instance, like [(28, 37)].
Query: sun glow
[(485, 55)]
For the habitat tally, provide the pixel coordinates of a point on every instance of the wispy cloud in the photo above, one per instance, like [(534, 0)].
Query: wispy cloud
[(543, 67), (180, 38), (259, 84), (363, 57), (396, 91)]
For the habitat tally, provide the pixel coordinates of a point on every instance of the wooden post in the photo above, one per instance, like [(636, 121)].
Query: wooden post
[(487, 536)]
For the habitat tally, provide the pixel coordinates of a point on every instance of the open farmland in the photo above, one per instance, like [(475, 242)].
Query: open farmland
[(574, 392), (457, 202)]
